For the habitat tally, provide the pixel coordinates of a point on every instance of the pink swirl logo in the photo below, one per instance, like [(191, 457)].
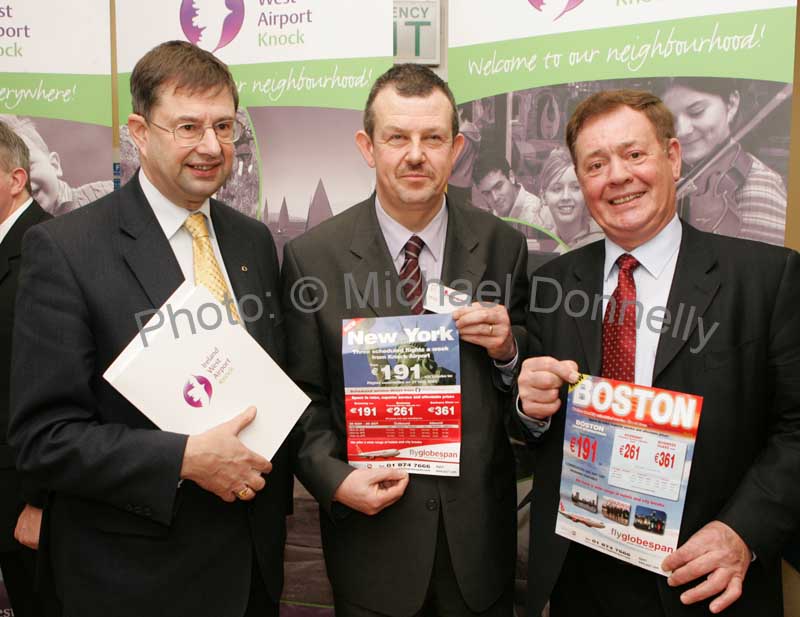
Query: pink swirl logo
[(571, 5), (194, 24), (197, 391)]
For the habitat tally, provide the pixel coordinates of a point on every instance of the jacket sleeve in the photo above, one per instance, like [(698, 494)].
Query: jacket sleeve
[(318, 452), (62, 440), (765, 508)]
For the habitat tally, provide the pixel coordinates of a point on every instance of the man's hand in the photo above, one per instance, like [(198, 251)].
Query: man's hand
[(539, 381), (717, 553), (29, 524), (489, 327), (371, 490), (218, 461)]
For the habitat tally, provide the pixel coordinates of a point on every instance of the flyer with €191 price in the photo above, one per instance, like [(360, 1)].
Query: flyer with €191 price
[(403, 393), (627, 456)]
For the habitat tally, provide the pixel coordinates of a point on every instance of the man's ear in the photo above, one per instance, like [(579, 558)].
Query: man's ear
[(674, 156), (364, 143), (19, 178), (139, 132), (458, 146)]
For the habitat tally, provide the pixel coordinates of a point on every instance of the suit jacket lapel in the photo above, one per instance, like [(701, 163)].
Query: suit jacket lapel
[(694, 285), (462, 267), (373, 262), (145, 248), (11, 246), (236, 254), (588, 277)]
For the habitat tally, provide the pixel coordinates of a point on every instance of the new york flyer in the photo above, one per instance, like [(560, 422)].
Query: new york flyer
[(403, 393)]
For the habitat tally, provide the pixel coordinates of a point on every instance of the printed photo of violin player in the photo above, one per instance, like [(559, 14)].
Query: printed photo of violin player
[(725, 188)]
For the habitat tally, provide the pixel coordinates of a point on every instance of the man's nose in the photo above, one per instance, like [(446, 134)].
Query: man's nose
[(618, 171), (209, 144), (415, 154)]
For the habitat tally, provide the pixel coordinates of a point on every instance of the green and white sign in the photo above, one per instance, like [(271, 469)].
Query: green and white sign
[(55, 92)]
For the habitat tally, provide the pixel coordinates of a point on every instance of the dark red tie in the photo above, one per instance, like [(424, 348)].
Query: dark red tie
[(411, 276), (619, 325)]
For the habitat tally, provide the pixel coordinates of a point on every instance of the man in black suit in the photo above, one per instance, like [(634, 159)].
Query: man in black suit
[(726, 329), (20, 505), (143, 521), (396, 545)]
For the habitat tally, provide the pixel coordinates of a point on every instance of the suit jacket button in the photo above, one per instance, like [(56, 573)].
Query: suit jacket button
[(432, 504), (128, 507)]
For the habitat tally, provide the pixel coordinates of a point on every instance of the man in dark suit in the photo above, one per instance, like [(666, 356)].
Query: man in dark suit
[(726, 329), (396, 545), (143, 521), (20, 505)]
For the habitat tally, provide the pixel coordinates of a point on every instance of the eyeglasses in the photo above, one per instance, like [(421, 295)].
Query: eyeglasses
[(190, 134)]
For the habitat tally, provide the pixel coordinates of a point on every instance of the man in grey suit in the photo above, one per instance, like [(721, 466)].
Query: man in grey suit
[(143, 521), (396, 545)]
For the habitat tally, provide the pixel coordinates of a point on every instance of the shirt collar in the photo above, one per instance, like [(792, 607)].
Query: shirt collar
[(653, 255), (396, 235), (6, 225), (169, 216)]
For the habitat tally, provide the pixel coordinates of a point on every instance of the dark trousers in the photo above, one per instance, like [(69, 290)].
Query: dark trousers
[(259, 604), (19, 575), (443, 598), (595, 584)]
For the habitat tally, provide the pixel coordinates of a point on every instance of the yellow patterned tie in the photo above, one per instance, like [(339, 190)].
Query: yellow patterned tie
[(206, 266)]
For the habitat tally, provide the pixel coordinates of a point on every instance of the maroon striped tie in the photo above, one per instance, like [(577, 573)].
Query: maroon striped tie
[(619, 330), (411, 276)]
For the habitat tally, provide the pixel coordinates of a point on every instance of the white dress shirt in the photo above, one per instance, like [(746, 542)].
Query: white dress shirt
[(434, 236), (653, 278), (171, 219), (6, 225)]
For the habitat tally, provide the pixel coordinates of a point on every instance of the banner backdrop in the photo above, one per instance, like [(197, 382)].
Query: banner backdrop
[(303, 70), (56, 94), (724, 67)]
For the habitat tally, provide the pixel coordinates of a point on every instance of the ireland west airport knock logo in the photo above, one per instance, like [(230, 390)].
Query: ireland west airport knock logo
[(197, 391), (571, 4), (211, 24)]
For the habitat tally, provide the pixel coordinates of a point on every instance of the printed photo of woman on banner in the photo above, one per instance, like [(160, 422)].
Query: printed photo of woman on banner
[(724, 188)]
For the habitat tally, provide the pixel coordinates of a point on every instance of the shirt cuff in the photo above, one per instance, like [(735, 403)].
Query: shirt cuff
[(537, 428), (508, 369)]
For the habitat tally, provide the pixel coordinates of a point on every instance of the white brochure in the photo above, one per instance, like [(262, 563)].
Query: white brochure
[(191, 367)]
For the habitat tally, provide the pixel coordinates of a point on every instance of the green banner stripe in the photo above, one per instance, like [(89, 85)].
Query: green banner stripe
[(82, 98), (755, 45), (341, 84)]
